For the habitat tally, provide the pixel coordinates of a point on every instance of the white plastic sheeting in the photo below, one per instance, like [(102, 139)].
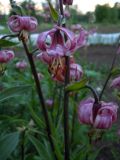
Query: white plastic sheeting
[(94, 39), (106, 39)]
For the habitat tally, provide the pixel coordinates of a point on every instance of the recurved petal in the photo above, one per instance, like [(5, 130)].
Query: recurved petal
[(103, 121), (57, 51), (45, 58), (115, 83), (69, 36), (85, 113), (42, 41)]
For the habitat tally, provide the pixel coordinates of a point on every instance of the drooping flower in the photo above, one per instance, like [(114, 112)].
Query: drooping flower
[(18, 23), (21, 65), (81, 38), (57, 42), (115, 83), (6, 55), (100, 117), (67, 2)]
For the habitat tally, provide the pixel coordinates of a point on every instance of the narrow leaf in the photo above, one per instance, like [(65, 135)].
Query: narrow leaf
[(53, 12), (115, 72), (77, 85), (7, 43), (12, 92), (8, 144), (40, 147)]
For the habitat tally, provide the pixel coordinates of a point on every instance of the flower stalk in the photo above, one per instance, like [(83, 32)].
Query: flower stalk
[(109, 76), (40, 94), (66, 98)]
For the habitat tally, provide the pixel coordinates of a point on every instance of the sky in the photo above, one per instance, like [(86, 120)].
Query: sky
[(83, 5)]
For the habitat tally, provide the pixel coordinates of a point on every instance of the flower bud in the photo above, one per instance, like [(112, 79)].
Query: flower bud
[(18, 23), (115, 83), (21, 65), (49, 103), (6, 55), (67, 2), (67, 14), (75, 72)]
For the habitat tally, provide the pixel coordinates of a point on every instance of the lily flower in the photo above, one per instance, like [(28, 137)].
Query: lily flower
[(57, 42), (100, 115)]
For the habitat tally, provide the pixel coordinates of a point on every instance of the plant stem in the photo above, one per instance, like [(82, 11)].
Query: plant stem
[(108, 77), (96, 97), (66, 111), (66, 99), (111, 68), (73, 118), (40, 94)]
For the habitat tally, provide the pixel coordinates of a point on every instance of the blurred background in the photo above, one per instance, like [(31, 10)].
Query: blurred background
[(101, 15)]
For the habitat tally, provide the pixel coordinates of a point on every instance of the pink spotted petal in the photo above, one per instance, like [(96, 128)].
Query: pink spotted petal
[(75, 72), (44, 57), (103, 121), (42, 39), (109, 109), (85, 114), (57, 51), (81, 38), (70, 37)]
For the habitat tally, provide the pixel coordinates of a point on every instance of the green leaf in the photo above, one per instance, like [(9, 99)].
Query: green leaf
[(41, 148), (7, 43), (38, 120), (77, 85), (8, 143), (53, 12), (12, 92), (115, 72)]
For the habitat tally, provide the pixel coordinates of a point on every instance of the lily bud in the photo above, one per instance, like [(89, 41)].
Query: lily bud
[(49, 103), (115, 83), (21, 65), (18, 23), (67, 2), (6, 55)]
